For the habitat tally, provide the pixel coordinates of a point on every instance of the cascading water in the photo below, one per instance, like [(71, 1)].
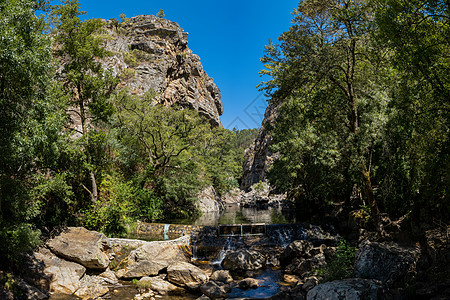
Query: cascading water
[(166, 230), (229, 245)]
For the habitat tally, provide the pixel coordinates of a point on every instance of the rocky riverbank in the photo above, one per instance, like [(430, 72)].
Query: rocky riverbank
[(88, 265)]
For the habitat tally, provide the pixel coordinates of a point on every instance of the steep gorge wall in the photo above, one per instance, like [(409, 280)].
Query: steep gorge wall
[(258, 157), (151, 54)]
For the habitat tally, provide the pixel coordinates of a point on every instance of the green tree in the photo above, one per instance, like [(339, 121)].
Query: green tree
[(89, 87), (417, 33), (159, 147), (327, 75), (29, 124)]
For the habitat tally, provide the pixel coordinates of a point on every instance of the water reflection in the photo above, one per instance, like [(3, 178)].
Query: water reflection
[(235, 214)]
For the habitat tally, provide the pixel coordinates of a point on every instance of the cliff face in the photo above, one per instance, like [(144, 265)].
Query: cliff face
[(151, 54), (258, 157)]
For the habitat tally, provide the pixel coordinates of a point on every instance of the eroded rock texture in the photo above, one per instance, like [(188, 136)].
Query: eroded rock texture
[(258, 157), (150, 54)]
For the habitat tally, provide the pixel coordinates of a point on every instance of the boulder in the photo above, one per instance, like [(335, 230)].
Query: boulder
[(207, 200), (49, 272), (248, 283), (310, 283), (91, 287), (296, 249), (109, 277), (213, 290), (29, 292), (186, 275), (348, 289), (139, 268), (387, 263), (149, 258), (302, 267), (160, 285), (223, 276), (243, 260), (232, 197), (82, 246)]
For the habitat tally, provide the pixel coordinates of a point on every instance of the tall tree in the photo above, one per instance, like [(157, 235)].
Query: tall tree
[(418, 35), (79, 50), (326, 74), (28, 123)]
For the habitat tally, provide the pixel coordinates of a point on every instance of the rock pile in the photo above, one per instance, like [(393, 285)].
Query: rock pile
[(88, 265)]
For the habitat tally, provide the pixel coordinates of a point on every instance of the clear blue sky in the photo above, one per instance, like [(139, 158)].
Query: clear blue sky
[(229, 36)]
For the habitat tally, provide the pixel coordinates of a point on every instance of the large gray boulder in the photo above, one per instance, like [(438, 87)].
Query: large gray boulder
[(149, 258), (160, 285), (91, 287), (214, 290), (223, 276), (243, 260), (207, 200), (387, 263), (82, 246), (348, 289), (186, 275), (49, 272)]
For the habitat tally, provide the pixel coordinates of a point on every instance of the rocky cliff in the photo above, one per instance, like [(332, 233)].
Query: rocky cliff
[(258, 158), (150, 54)]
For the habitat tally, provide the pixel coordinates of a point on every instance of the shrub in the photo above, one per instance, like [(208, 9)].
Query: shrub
[(341, 265)]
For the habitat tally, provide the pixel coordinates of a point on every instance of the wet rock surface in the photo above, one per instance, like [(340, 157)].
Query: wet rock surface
[(213, 290), (243, 260)]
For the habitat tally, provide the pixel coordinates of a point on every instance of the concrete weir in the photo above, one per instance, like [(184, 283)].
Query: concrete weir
[(208, 241), (241, 229), (172, 231)]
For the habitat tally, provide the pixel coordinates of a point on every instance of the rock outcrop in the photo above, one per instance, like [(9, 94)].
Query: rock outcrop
[(186, 275), (150, 258), (82, 246), (208, 200), (150, 54), (258, 158), (51, 273), (350, 289), (243, 260), (387, 263)]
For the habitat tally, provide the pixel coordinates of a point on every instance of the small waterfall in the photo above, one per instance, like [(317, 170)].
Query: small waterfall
[(194, 250), (228, 246), (283, 237), (166, 230)]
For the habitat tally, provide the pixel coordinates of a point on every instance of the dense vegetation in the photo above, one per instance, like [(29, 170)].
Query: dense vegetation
[(363, 90), (77, 151)]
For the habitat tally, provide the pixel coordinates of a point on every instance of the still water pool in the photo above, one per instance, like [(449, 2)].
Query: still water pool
[(235, 214)]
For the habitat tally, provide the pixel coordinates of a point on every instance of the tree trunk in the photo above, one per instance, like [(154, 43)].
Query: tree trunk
[(94, 192), (94, 195), (374, 211)]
